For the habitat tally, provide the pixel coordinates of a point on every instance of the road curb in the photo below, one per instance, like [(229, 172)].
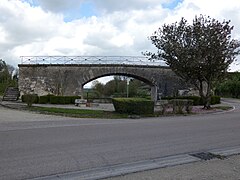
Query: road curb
[(123, 169)]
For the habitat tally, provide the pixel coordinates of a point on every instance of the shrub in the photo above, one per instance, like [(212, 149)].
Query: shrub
[(43, 99), (73, 99), (67, 99), (179, 105), (196, 99), (30, 99), (133, 105), (215, 100), (63, 99), (57, 100)]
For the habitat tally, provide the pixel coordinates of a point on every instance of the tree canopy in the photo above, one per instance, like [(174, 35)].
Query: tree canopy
[(200, 53), (8, 76), (118, 88), (230, 87)]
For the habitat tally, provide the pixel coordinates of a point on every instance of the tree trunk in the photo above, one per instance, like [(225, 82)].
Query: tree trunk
[(206, 97)]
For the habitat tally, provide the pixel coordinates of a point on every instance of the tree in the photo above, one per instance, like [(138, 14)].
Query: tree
[(199, 53), (6, 78), (230, 87), (98, 87)]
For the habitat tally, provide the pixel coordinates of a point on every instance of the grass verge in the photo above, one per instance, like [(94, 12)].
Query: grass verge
[(224, 108), (80, 113)]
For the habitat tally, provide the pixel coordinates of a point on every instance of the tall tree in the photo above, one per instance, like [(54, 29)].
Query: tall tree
[(200, 53), (98, 87), (6, 78)]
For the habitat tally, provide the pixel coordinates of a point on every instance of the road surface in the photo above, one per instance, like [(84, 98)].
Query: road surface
[(36, 145)]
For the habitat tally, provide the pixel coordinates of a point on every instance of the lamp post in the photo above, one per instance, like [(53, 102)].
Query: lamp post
[(128, 80)]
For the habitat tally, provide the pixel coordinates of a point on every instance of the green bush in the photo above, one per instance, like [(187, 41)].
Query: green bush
[(181, 105), (26, 97), (43, 100), (196, 99), (63, 99), (73, 99), (30, 99), (57, 100), (133, 105), (215, 100)]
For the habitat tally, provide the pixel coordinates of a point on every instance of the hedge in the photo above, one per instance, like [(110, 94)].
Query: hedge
[(215, 100), (63, 99), (181, 105), (45, 99), (52, 99), (133, 105), (196, 99), (30, 97)]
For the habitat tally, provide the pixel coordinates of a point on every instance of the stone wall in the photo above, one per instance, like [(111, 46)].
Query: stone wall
[(70, 79)]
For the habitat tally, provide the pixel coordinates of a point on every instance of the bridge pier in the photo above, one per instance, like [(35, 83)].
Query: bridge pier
[(154, 93), (80, 91)]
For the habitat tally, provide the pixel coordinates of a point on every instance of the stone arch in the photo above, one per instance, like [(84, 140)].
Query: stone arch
[(148, 82), (130, 71), (42, 79), (143, 79)]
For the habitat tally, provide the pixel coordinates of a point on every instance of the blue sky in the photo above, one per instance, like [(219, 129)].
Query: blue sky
[(86, 8)]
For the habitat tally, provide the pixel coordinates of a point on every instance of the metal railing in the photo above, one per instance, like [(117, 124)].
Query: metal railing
[(116, 60)]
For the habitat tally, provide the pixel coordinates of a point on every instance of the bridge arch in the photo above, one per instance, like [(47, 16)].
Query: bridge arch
[(146, 81)]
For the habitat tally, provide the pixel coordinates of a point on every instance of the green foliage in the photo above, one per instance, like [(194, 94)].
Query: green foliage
[(63, 99), (197, 100), (199, 53), (215, 100), (133, 105), (91, 94), (30, 99), (230, 87), (51, 99), (118, 88), (6, 79), (179, 105), (80, 113), (98, 87), (45, 99), (57, 100)]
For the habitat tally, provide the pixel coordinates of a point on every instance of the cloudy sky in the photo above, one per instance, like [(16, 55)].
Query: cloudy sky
[(97, 27)]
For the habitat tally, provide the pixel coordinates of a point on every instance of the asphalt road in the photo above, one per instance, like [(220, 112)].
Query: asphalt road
[(35, 145)]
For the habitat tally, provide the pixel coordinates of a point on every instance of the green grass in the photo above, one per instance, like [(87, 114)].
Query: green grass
[(86, 113), (80, 113), (224, 108)]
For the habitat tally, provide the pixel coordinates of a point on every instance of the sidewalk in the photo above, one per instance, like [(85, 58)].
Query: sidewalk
[(227, 169)]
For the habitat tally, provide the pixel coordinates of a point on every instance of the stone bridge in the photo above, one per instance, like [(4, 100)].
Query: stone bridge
[(69, 78)]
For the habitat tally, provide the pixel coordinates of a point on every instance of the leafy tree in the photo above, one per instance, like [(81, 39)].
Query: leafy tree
[(118, 88), (200, 53), (6, 79), (98, 87), (230, 87)]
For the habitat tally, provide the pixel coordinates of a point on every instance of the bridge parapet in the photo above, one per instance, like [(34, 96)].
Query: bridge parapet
[(118, 60)]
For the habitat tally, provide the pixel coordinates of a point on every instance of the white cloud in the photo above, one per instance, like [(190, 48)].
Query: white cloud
[(57, 5), (121, 28)]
